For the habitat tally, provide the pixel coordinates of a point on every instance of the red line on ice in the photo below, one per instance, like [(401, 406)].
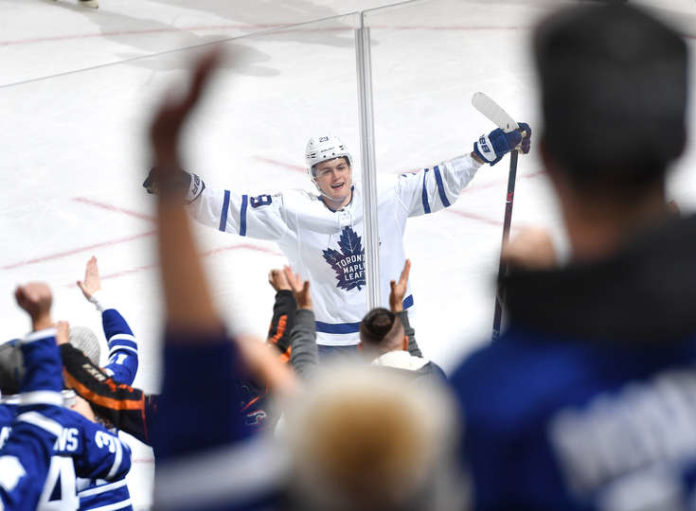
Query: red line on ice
[(244, 246), (290, 166), (67, 253), (114, 208)]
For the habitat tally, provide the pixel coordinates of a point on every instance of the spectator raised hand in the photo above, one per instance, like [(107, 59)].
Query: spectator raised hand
[(35, 298), (278, 280), (299, 288), (398, 289), (92, 282)]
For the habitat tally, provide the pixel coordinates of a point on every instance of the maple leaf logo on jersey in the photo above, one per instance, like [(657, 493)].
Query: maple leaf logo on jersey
[(349, 262)]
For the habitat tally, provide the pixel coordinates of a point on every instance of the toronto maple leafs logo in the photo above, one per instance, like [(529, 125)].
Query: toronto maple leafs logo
[(349, 262)]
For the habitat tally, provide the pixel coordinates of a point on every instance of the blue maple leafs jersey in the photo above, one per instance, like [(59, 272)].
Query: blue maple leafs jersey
[(36, 423), (326, 246), (82, 449), (71, 445), (558, 423), (46, 445), (122, 366)]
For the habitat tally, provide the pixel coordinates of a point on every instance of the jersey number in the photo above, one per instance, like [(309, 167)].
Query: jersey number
[(59, 491), (105, 440), (261, 200)]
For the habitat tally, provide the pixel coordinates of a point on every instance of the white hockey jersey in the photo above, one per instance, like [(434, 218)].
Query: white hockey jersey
[(326, 246)]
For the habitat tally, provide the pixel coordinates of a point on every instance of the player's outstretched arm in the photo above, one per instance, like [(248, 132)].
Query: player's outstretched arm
[(431, 190), (256, 216)]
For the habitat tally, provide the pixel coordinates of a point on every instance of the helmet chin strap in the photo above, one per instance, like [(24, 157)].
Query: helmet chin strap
[(321, 192)]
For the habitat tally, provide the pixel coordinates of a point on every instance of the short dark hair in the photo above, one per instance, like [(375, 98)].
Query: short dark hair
[(11, 367), (379, 327), (613, 92)]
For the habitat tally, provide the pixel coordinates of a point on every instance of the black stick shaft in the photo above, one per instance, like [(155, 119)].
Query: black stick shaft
[(502, 268)]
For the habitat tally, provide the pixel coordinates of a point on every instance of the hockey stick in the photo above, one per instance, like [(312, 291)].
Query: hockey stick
[(502, 119)]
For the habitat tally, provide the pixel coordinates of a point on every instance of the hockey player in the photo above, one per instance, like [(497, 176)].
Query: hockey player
[(321, 234), (207, 462), (587, 400)]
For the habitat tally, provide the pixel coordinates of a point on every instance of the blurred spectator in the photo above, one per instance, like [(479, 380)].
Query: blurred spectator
[(47, 446), (134, 411), (387, 339), (587, 400), (198, 410), (94, 494), (359, 441)]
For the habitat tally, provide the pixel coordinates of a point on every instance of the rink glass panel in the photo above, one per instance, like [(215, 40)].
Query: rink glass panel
[(428, 59)]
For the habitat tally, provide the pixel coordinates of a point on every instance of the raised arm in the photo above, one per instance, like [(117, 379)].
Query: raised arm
[(196, 344), (25, 457), (256, 216), (123, 347), (303, 338), (396, 299), (431, 190)]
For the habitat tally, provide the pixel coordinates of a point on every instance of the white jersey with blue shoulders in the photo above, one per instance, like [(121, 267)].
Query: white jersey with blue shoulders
[(326, 246)]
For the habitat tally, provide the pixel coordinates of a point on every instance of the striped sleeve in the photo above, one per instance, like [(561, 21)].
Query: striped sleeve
[(100, 495), (123, 348), (431, 190), (261, 216)]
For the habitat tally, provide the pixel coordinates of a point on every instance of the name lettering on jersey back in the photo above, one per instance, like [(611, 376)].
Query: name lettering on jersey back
[(68, 440), (95, 373), (640, 426), (349, 262)]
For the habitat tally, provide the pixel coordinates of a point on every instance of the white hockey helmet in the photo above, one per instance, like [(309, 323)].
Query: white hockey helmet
[(323, 148)]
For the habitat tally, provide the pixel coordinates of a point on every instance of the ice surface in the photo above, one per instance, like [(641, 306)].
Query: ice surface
[(77, 86)]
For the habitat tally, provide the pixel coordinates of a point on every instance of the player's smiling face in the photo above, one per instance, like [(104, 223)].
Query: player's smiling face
[(333, 177)]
